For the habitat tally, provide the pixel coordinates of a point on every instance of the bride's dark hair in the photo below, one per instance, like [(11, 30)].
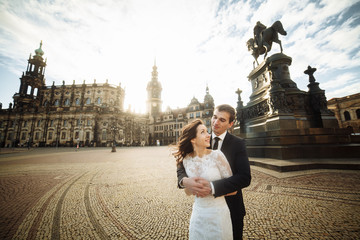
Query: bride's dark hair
[(184, 146)]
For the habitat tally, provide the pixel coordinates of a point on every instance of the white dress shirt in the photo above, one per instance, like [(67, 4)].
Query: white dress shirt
[(221, 140)]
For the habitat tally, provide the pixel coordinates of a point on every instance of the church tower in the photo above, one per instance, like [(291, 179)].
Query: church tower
[(208, 100), (154, 89), (31, 82)]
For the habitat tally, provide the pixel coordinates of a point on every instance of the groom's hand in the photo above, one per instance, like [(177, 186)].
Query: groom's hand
[(206, 188), (197, 186)]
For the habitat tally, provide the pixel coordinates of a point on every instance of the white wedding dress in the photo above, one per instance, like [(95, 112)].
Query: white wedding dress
[(210, 218)]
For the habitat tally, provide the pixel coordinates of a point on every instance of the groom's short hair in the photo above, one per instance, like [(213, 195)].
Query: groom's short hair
[(227, 108)]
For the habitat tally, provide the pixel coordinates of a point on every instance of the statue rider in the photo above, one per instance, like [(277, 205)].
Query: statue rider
[(259, 27)]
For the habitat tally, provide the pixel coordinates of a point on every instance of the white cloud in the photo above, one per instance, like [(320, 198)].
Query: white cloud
[(195, 43)]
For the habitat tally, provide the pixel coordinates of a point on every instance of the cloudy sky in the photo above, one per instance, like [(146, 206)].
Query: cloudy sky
[(195, 43)]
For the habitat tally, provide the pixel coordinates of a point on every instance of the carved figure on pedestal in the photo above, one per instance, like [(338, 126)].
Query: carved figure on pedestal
[(275, 102), (263, 39), (258, 29), (310, 71)]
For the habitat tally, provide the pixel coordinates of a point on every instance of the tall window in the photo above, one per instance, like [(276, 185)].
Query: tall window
[(51, 123), (37, 134), (104, 135), (347, 116), (39, 123), (65, 123), (67, 102), (63, 135), (10, 136), (98, 100), (88, 101), (77, 102), (56, 103)]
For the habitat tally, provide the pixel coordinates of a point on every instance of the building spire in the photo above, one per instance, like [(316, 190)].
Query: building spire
[(154, 72)]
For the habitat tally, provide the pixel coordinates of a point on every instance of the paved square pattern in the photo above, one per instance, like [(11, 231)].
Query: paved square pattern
[(131, 194)]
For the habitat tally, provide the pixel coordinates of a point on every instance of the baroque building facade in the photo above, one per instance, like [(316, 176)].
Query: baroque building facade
[(347, 111), (66, 115), (90, 114)]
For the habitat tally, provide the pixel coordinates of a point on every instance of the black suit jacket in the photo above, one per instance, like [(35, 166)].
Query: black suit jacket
[(234, 149)]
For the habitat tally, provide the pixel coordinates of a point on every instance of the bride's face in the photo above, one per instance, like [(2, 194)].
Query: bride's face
[(202, 137)]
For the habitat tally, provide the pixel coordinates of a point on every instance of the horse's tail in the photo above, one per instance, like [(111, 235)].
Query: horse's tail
[(279, 28)]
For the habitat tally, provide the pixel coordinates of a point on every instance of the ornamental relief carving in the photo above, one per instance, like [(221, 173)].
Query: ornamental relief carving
[(257, 110)]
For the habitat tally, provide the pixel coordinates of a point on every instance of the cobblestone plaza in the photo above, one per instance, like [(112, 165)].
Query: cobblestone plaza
[(131, 194)]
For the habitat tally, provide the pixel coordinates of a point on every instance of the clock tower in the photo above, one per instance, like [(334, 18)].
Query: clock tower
[(32, 82), (154, 89)]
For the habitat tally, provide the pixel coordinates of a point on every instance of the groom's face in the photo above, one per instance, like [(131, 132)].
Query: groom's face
[(220, 122)]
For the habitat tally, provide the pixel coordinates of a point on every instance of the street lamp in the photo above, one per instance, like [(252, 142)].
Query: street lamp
[(114, 129)]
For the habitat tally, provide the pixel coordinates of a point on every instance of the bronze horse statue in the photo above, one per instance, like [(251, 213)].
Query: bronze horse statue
[(263, 39)]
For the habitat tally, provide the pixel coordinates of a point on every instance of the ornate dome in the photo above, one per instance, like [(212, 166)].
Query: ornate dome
[(39, 51), (208, 98)]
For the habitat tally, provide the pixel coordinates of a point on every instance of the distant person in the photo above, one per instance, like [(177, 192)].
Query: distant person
[(210, 218), (234, 149), (77, 144)]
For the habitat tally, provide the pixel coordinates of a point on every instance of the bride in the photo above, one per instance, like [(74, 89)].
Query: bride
[(210, 218)]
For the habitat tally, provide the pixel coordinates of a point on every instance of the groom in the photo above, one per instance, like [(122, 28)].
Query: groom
[(234, 149)]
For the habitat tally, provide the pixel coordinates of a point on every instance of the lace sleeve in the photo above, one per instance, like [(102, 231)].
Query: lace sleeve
[(223, 165)]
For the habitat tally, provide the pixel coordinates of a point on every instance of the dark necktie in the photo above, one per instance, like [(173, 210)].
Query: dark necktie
[(216, 144)]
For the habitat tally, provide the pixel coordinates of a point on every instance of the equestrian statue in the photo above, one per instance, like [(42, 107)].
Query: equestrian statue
[(263, 39)]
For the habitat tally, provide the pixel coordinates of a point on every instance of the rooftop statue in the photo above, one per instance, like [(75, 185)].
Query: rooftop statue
[(263, 39)]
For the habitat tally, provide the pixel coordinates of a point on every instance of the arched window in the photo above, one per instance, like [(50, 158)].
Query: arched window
[(56, 103), (88, 101), (347, 116), (98, 101), (67, 102), (358, 113), (77, 102), (45, 103)]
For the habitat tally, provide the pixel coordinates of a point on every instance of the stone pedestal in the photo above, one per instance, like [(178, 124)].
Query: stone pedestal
[(280, 121)]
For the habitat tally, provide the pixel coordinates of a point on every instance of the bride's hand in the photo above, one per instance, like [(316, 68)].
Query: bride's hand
[(231, 194)]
